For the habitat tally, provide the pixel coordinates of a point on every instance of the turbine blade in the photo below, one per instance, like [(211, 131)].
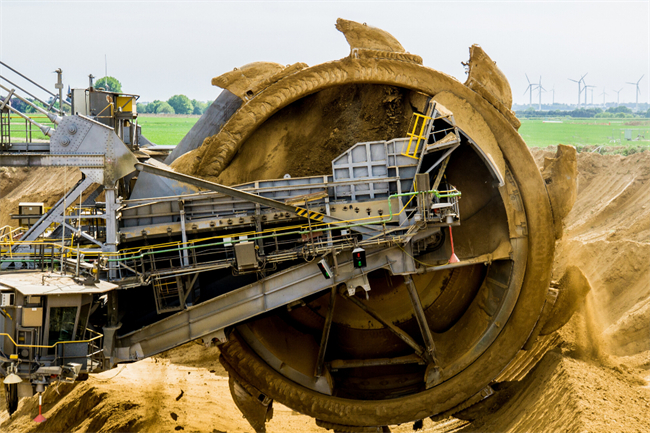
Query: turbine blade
[(640, 78)]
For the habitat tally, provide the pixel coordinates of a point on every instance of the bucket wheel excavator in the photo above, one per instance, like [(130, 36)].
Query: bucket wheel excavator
[(394, 266), (412, 345)]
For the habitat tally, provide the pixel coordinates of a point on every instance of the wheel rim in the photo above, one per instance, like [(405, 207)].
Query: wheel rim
[(465, 373)]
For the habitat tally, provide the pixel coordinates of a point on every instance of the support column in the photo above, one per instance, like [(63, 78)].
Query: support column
[(421, 319), (181, 206), (110, 246)]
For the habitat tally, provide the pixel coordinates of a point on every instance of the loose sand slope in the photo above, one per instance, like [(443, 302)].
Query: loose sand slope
[(595, 381), (43, 184)]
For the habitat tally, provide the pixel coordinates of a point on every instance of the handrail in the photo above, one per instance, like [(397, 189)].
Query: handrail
[(141, 252), (3, 334), (138, 257), (415, 135), (10, 232), (30, 80)]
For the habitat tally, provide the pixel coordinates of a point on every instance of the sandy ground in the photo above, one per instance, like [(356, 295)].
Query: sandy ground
[(43, 184), (597, 380)]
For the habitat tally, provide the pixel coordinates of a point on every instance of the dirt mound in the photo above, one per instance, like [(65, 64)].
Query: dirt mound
[(182, 389), (607, 235), (566, 394), (595, 381), (43, 184), (75, 407)]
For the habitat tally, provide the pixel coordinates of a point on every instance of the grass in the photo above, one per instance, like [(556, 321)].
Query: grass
[(536, 133), (166, 130), (158, 129), (583, 132), (577, 132)]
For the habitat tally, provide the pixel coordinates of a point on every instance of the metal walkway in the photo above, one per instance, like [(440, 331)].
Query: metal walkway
[(210, 318)]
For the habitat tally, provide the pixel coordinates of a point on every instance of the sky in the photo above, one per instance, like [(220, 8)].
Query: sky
[(161, 48)]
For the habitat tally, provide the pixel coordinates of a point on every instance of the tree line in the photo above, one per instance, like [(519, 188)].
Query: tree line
[(177, 104), (621, 111)]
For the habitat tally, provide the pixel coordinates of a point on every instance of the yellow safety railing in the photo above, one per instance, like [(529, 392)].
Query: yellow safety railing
[(7, 233), (416, 134), (59, 253), (71, 251), (41, 346)]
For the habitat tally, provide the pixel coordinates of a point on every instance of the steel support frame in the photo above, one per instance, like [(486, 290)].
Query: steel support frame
[(421, 319), (320, 360), (234, 192), (274, 291)]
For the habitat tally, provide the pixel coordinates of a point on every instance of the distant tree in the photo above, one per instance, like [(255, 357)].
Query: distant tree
[(18, 105), (647, 113), (141, 107), (619, 109), (199, 107), (109, 83), (55, 106), (152, 107), (181, 104), (165, 108), (30, 109)]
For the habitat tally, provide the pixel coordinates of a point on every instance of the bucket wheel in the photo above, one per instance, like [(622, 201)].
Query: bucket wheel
[(370, 372)]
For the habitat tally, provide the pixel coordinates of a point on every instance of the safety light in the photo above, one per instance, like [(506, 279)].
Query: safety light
[(359, 258), (325, 269)]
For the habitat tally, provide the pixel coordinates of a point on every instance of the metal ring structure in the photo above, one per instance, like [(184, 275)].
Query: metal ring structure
[(210, 160)]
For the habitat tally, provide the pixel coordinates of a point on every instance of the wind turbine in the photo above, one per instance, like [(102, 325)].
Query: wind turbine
[(579, 86), (603, 95), (553, 90), (618, 94), (530, 89), (585, 87), (540, 88), (638, 91)]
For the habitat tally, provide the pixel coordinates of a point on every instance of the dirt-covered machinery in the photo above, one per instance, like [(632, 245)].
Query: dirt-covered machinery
[(382, 255)]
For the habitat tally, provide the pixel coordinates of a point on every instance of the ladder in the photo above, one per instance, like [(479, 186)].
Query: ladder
[(168, 293), (423, 135)]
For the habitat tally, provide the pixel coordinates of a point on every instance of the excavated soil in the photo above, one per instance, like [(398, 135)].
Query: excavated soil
[(303, 138), (43, 184), (596, 380)]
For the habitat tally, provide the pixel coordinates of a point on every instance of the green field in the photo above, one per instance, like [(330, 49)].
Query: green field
[(166, 130), (584, 132), (157, 129), (536, 133)]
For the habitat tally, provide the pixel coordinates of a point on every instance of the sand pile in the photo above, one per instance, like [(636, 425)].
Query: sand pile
[(596, 380), (185, 389), (43, 184), (607, 234)]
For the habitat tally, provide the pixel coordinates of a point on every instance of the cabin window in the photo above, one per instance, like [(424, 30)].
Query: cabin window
[(61, 324), (83, 321)]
